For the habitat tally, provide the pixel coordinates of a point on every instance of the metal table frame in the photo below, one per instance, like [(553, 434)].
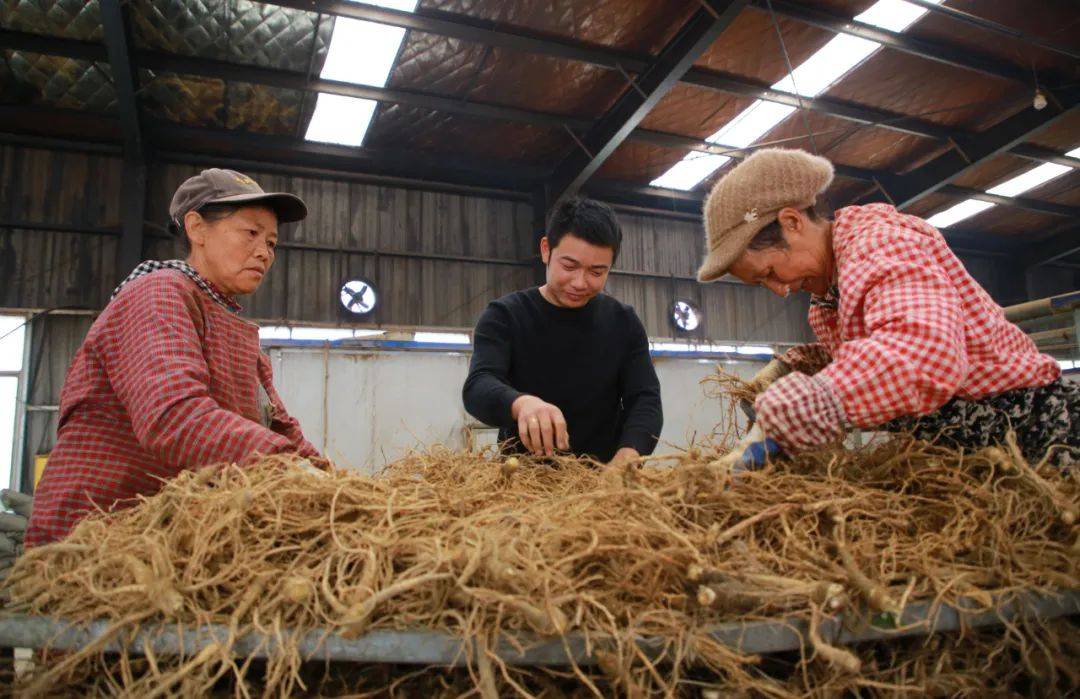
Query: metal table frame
[(436, 648)]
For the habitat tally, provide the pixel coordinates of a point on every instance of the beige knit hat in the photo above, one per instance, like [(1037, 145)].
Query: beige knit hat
[(749, 198)]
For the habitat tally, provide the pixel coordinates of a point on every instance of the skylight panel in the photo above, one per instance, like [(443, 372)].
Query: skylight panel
[(690, 170), (340, 119), (1029, 180), (362, 53), (830, 63), (894, 15), (1012, 187), (754, 122), (965, 209), (812, 77)]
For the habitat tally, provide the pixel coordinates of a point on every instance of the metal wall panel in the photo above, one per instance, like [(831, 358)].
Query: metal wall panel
[(732, 313), (366, 408), (380, 232), (357, 225), (59, 187), (55, 269), (44, 195)]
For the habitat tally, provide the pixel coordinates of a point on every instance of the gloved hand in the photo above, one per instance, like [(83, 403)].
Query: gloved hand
[(770, 373), (13, 528), (750, 453), (762, 380)]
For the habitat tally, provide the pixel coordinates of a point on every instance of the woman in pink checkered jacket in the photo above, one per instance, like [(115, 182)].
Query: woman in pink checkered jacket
[(907, 339), (169, 376)]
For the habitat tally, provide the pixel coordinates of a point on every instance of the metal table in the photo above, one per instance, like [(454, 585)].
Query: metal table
[(436, 648)]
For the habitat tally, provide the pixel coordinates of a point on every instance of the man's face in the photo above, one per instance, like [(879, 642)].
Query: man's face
[(576, 270)]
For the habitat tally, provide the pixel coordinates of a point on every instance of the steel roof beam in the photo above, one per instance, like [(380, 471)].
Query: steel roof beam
[(475, 30), (482, 31), (296, 80), (996, 27), (312, 150), (116, 24), (937, 51), (1064, 243), (644, 93), (1043, 155), (972, 151), (251, 146), (117, 32), (700, 78), (1036, 205)]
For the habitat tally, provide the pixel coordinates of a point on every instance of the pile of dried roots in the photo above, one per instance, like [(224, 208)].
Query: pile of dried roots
[(488, 548)]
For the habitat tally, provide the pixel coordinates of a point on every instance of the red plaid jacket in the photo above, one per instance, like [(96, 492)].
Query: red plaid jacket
[(166, 379), (912, 329)]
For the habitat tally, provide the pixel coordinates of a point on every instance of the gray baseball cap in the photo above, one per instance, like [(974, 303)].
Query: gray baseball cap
[(217, 186)]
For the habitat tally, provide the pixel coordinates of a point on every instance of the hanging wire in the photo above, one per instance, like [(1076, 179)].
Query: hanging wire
[(791, 74)]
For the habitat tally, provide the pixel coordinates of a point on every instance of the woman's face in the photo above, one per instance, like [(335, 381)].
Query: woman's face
[(236, 252), (805, 263)]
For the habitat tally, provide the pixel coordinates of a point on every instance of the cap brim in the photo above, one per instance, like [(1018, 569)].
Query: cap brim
[(288, 207), (716, 265), (719, 260)]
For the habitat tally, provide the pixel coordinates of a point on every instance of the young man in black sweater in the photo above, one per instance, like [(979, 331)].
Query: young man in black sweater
[(564, 367)]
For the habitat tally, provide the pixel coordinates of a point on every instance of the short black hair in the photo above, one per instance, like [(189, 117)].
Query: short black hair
[(587, 219)]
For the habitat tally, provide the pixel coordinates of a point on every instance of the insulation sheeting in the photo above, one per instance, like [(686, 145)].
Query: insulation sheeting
[(70, 19), (53, 81), (237, 31)]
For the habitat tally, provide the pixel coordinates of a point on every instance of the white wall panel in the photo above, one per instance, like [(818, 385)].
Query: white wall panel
[(367, 408)]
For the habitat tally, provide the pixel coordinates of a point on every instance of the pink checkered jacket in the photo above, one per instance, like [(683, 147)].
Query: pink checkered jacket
[(912, 329), (166, 379)]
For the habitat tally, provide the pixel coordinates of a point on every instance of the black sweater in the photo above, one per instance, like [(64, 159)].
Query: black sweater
[(592, 362)]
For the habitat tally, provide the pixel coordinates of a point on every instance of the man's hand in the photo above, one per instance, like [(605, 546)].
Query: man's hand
[(623, 457), (541, 426)]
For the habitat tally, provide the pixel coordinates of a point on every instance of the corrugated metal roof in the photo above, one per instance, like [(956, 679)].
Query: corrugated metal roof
[(237, 31), (751, 49), (1058, 22), (71, 19), (632, 25), (57, 82), (258, 34), (416, 129)]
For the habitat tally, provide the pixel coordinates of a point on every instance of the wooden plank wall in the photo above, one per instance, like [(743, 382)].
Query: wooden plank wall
[(43, 195), (672, 249), (46, 197), (346, 217)]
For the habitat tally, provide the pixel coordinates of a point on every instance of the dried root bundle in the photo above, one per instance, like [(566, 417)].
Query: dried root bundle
[(488, 549)]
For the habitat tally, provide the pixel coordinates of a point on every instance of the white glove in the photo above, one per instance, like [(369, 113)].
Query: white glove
[(772, 371)]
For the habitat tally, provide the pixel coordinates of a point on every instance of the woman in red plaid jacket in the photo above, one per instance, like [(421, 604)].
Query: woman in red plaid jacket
[(169, 376), (906, 338)]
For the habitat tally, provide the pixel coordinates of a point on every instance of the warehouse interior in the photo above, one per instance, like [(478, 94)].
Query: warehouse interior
[(432, 139)]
